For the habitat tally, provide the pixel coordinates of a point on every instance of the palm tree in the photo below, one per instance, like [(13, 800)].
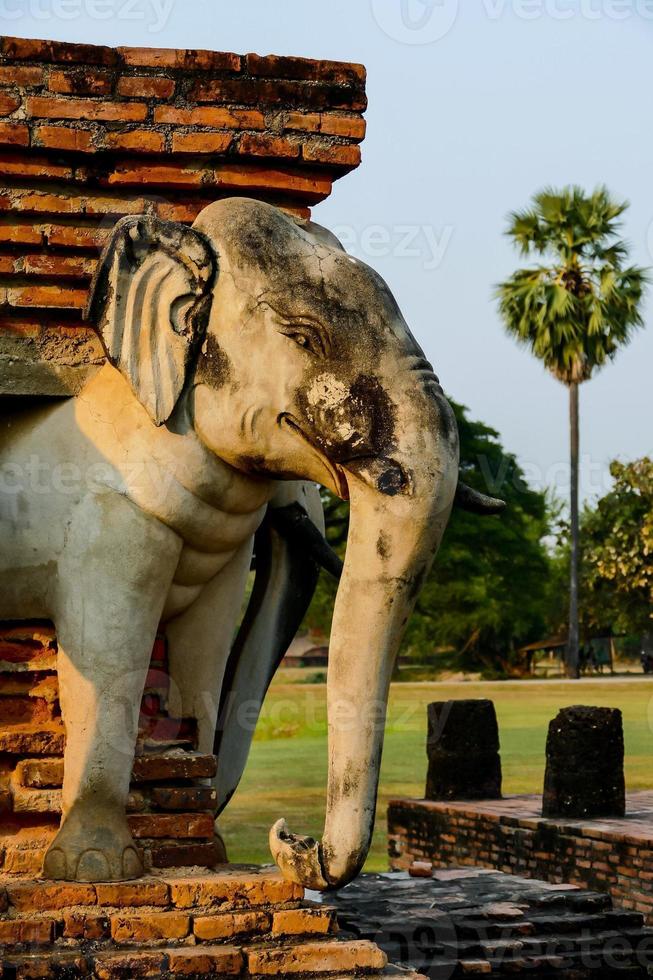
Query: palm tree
[(574, 311)]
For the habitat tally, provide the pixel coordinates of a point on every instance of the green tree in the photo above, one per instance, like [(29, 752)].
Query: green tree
[(574, 312), (618, 544), (488, 590)]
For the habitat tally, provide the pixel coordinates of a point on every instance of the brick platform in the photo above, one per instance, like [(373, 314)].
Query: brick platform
[(89, 134), (612, 856), (239, 922), (171, 809)]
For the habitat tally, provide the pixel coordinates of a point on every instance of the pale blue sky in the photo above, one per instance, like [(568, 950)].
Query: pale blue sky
[(471, 111)]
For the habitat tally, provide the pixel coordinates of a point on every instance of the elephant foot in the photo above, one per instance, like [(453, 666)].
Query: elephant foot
[(92, 846), (298, 858)]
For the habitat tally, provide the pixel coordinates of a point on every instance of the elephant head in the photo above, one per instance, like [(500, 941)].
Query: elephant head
[(293, 361)]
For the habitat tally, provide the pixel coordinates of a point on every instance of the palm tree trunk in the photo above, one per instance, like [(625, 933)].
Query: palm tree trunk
[(573, 645)]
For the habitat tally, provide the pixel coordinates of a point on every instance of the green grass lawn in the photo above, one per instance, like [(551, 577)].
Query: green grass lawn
[(286, 774)]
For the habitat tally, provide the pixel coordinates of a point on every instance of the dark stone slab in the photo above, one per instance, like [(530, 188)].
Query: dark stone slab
[(468, 922), (463, 751), (585, 764)]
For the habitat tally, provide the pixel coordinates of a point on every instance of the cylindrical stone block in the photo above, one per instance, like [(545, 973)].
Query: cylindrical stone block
[(463, 751), (585, 764)]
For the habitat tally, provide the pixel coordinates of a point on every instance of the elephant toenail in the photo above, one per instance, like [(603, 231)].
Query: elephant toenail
[(55, 865), (132, 866), (93, 866)]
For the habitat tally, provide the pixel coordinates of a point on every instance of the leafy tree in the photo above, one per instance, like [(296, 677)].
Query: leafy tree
[(618, 536), (488, 590), (574, 311)]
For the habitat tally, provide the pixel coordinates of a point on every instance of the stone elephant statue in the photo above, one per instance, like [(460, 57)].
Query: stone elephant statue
[(249, 358)]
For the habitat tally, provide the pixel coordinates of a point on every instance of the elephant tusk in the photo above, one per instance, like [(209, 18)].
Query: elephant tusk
[(294, 524), (298, 858), (475, 502)]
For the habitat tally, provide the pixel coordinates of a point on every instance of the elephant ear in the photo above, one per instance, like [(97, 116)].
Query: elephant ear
[(150, 302)]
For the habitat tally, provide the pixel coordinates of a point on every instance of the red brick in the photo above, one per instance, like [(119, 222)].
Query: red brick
[(305, 122), (205, 961), (332, 72), (84, 81), (15, 931), (260, 91), (174, 855), (141, 140), (348, 126), (209, 928), (313, 186), (149, 927), (24, 741), (216, 118), (324, 957), (57, 265), (268, 146), (304, 922), (190, 60), (176, 825), (15, 75), (201, 142), (26, 49), (47, 297), (67, 235), (170, 174), (129, 965), (30, 165), (14, 134), (86, 925), (336, 154), (233, 890), (146, 87), (41, 107), (133, 895), (62, 138), (8, 104), (46, 897), (187, 766), (184, 798)]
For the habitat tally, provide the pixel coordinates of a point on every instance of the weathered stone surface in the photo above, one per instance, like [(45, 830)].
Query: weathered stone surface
[(208, 928), (149, 927), (304, 922), (463, 751), (314, 957), (233, 890), (585, 764), (469, 922), (206, 961)]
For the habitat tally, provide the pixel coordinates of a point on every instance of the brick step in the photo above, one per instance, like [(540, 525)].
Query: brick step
[(173, 799), (109, 927), (306, 959), (49, 739), (165, 767)]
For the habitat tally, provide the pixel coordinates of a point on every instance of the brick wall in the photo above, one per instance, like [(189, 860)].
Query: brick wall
[(170, 810), (613, 856), (89, 134)]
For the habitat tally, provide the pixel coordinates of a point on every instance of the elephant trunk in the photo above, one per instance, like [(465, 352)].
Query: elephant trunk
[(394, 536)]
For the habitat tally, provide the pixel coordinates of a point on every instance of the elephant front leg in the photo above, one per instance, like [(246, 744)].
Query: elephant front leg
[(113, 582)]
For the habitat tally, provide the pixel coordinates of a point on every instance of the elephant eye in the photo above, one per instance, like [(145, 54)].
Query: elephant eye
[(301, 340), (306, 337)]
